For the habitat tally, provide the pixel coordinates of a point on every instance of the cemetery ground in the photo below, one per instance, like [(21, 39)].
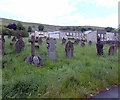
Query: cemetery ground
[(82, 76)]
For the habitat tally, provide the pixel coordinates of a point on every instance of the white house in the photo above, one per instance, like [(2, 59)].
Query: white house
[(92, 36), (39, 34), (54, 34), (71, 35)]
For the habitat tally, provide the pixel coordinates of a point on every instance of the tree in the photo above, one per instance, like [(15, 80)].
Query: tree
[(41, 27), (109, 29), (29, 29), (12, 26), (20, 26), (83, 29)]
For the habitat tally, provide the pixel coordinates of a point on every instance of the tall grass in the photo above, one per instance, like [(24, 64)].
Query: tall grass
[(78, 77)]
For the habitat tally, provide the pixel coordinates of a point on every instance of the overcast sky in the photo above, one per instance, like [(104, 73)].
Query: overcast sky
[(62, 12)]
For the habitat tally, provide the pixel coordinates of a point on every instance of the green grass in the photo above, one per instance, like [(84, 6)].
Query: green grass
[(78, 77)]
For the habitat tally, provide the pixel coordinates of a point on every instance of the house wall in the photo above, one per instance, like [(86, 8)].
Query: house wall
[(92, 36)]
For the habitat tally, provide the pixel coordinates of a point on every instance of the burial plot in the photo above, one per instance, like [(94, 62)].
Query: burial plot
[(36, 60), (99, 46), (82, 44), (63, 41), (69, 49), (90, 43), (19, 45), (51, 48), (112, 50)]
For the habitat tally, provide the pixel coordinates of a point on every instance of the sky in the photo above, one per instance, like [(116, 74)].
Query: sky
[(102, 13)]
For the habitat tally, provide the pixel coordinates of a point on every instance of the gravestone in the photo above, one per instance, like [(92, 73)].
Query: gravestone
[(69, 49), (90, 43), (40, 41), (82, 44), (1, 47), (99, 46), (51, 48), (112, 50), (63, 41), (14, 39), (19, 45), (76, 41), (36, 60), (9, 35)]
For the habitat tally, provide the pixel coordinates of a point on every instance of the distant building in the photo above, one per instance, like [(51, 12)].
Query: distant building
[(54, 34), (105, 36), (71, 35), (41, 34)]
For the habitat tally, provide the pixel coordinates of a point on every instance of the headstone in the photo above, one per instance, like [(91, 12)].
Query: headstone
[(69, 49), (90, 43), (99, 46), (19, 45), (9, 35), (82, 44), (112, 50), (40, 41), (14, 39), (51, 48), (76, 41), (63, 41), (36, 60), (1, 47)]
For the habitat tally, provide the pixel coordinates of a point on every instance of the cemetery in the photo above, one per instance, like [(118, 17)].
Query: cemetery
[(57, 68)]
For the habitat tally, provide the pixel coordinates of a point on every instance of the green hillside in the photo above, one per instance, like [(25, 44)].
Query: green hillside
[(46, 26)]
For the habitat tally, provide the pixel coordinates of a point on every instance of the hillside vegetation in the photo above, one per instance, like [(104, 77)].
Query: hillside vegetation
[(46, 26), (80, 77)]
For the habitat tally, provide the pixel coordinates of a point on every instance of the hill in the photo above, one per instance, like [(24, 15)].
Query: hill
[(46, 26)]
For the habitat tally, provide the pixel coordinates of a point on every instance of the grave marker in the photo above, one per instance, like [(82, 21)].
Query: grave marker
[(51, 48), (69, 49)]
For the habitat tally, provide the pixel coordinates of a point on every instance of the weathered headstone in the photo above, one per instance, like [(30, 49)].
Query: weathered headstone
[(63, 41), (1, 47), (51, 48), (36, 60), (112, 50), (76, 41), (69, 48), (19, 45), (14, 39), (99, 46), (9, 35), (82, 44), (90, 43)]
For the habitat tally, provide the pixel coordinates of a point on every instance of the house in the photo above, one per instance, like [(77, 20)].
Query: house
[(41, 34), (71, 34), (54, 34), (105, 36)]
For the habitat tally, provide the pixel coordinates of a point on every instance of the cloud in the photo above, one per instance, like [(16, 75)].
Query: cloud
[(58, 12)]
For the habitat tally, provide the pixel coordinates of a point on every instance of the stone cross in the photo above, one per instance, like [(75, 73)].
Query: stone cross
[(51, 48), (69, 49), (32, 41)]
